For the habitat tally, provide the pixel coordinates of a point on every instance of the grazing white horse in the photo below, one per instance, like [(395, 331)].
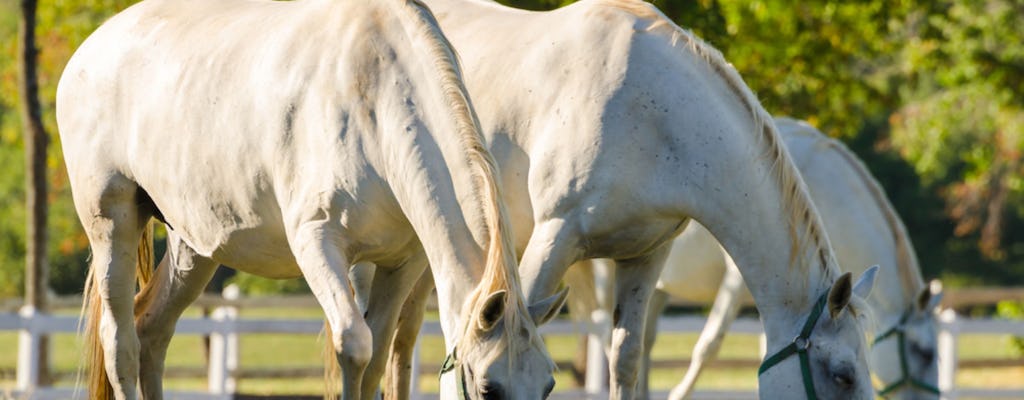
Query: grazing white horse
[(618, 127), (863, 227), (290, 139)]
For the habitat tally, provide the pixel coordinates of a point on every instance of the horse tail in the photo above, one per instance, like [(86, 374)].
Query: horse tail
[(92, 309), (332, 371)]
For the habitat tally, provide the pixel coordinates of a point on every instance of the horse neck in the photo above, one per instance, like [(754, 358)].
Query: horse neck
[(463, 227), (901, 284), (751, 197), (747, 192), (785, 259)]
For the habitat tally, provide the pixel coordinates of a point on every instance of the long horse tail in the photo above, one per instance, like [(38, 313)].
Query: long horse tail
[(332, 371), (92, 309)]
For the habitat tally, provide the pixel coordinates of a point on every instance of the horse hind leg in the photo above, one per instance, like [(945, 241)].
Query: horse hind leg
[(113, 220), (326, 271), (179, 280)]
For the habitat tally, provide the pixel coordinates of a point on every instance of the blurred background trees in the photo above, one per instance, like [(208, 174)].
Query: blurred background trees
[(928, 93)]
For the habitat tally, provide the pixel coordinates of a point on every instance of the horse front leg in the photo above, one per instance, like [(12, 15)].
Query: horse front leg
[(553, 247), (325, 269), (391, 286), (398, 374), (179, 280), (635, 281), (659, 299)]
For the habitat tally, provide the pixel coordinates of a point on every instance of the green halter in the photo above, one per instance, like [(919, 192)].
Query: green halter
[(451, 362), (800, 345), (899, 331)]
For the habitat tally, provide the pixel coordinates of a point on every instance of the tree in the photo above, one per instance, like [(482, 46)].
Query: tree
[(35, 164), (962, 125)]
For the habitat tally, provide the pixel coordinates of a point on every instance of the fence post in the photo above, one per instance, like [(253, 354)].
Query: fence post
[(947, 347), (597, 362), (28, 350), (224, 347)]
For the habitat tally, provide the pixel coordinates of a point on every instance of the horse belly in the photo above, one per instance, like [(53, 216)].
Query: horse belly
[(258, 252)]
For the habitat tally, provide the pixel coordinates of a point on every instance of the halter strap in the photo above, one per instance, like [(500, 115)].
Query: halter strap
[(451, 362), (899, 331), (800, 345)]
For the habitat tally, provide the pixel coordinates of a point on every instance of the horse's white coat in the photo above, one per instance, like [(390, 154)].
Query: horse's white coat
[(864, 230), (288, 139), (620, 127)]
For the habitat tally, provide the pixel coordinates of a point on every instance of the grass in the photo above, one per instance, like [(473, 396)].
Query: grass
[(267, 351)]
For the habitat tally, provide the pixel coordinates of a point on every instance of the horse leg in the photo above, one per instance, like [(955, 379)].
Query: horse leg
[(114, 222), (398, 376), (657, 305), (325, 269), (361, 276), (635, 281), (390, 288), (179, 280), (550, 252), (723, 312), (582, 302)]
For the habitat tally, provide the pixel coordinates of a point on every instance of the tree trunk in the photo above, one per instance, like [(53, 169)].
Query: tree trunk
[(35, 162)]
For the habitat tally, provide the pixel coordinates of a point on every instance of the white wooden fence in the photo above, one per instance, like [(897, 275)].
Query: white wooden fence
[(224, 327)]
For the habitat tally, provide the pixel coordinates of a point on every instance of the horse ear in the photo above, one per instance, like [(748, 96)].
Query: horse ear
[(930, 296), (840, 294), (492, 311), (866, 282), (544, 310)]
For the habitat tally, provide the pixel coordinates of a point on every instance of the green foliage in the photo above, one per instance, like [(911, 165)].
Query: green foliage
[(255, 285), (1012, 310), (962, 121)]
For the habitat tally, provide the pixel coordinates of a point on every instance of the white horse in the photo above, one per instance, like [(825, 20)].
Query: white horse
[(620, 127), (290, 139), (863, 228)]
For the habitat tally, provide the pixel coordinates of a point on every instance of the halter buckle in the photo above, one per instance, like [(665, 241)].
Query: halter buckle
[(802, 343)]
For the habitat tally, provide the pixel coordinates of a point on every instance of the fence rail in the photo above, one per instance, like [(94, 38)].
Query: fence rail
[(224, 326)]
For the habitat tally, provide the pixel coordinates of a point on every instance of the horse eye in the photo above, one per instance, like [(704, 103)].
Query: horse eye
[(491, 392), (551, 386)]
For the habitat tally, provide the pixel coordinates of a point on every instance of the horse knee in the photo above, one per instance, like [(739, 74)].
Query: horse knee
[(354, 344)]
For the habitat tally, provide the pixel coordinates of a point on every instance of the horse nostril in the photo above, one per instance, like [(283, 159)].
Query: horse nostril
[(843, 379), (927, 354)]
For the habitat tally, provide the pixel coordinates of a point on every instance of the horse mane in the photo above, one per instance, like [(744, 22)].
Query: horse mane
[(796, 199), (908, 266), (501, 268)]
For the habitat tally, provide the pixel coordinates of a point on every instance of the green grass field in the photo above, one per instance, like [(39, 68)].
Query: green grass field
[(268, 351)]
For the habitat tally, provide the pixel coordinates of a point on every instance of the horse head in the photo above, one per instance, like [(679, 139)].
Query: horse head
[(500, 350), (904, 355), (827, 358)]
